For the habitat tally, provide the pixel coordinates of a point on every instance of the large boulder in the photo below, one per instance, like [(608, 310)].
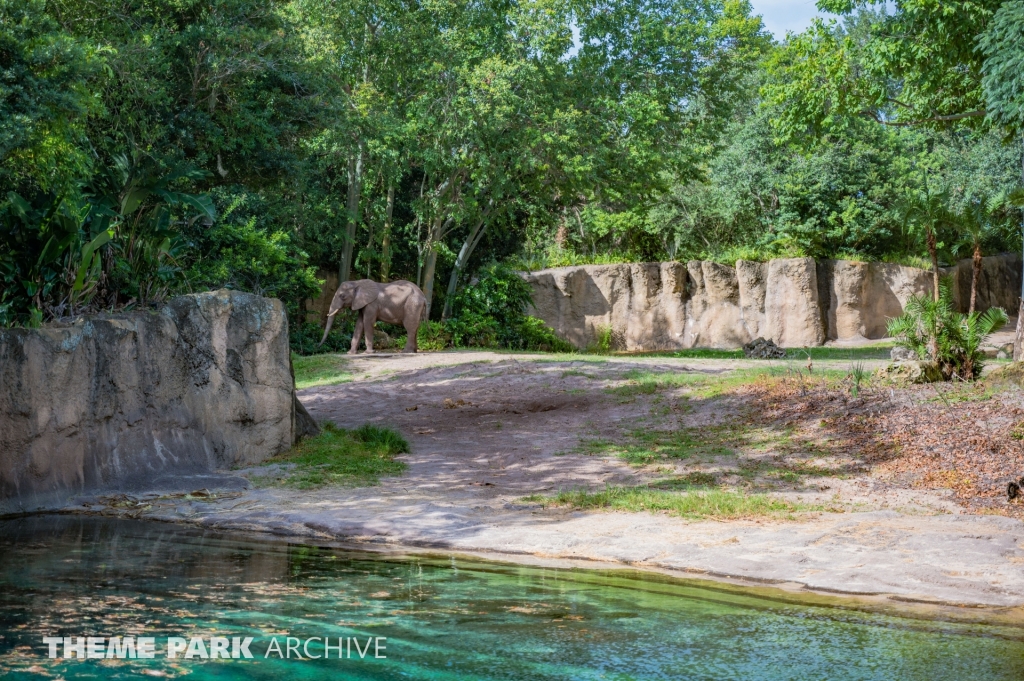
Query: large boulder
[(131, 401)]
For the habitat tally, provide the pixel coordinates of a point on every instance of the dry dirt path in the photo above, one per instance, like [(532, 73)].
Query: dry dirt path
[(487, 429)]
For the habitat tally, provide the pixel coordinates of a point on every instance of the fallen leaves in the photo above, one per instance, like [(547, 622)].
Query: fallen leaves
[(960, 437)]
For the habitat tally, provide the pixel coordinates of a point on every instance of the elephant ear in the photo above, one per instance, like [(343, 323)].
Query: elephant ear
[(366, 293)]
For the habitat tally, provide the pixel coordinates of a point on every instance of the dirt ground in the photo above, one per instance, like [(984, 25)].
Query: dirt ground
[(489, 429)]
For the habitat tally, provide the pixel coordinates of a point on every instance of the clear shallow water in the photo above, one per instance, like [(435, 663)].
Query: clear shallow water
[(443, 619)]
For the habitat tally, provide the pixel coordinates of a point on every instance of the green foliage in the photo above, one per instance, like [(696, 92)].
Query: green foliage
[(241, 255), (490, 312), (857, 375), (1002, 45), (345, 457), (916, 64), (933, 330), (603, 340), (115, 243), (432, 337), (45, 100), (530, 333), (559, 134), (304, 337)]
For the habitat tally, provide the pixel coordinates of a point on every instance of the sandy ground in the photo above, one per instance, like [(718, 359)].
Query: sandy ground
[(488, 429)]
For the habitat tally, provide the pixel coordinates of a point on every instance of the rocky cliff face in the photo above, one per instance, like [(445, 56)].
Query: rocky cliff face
[(125, 402), (795, 302)]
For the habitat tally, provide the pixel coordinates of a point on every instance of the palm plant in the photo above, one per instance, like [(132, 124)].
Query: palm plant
[(934, 330), (929, 212), (974, 223)]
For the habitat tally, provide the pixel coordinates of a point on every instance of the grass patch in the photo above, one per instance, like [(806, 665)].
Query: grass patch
[(692, 479), (877, 351), (686, 443), (351, 458), (701, 385), (650, 446), (648, 383), (708, 503), (317, 370)]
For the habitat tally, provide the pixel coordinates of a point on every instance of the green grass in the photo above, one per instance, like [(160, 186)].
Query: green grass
[(877, 351), (576, 372), (350, 458), (320, 370), (648, 383), (703, 503), (701, 385), (650, 446)]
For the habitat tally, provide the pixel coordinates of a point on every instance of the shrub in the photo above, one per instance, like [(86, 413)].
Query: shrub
[(433, 336), (305, 338), (603, 340), (533, 334), (933, 330), (246, 257), (491, 311)]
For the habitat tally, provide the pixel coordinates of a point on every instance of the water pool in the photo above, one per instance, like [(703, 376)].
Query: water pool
[(439, 618)]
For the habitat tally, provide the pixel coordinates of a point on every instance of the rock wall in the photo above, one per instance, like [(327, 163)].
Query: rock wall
[(796, 302), (132, 401)]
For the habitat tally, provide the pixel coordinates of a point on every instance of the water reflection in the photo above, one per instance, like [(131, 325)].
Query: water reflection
[(442, 619)]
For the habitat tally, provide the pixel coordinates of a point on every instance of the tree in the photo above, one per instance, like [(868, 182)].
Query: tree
[(1002, 46), (46, 100), (914, 66)]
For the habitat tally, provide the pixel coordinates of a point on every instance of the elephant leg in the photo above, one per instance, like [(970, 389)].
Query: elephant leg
[(355, 335), (411, 327), (368, 324)]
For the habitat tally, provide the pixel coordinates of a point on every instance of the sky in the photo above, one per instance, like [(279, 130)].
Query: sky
[(785, 15)]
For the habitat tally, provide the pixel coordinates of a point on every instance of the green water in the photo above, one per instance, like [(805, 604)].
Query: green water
[(442, 618)]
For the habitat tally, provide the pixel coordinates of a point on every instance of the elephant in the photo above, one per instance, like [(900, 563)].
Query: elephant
[(399, 302)]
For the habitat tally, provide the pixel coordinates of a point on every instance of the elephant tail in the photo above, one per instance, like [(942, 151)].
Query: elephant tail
[(423, 310)]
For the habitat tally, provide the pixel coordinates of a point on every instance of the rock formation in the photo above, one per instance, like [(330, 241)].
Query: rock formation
[(129, 401), (794, 302)]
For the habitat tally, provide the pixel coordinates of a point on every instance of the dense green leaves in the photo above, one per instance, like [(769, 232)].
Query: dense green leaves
[(149, 147), (45, 99), (1002, 45)]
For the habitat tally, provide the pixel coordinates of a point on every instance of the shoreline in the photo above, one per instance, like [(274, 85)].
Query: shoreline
[(960, 561), (774, 589)]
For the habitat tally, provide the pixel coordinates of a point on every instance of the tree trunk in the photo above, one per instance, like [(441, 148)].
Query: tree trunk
[(385, 241), (975, 275), (1018, 346), (430, 261), (933, 252), (355, 190), (468, 246), (1018, 341)]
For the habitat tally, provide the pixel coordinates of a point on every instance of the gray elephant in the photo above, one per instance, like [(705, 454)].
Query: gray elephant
[(400, 302)]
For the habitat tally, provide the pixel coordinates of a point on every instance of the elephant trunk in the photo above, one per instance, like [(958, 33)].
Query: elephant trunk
[(327, 329)]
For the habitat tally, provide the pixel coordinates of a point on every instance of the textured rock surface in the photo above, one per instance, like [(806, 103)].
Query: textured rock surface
[(122, 402), (794, 302), (791, 305)]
